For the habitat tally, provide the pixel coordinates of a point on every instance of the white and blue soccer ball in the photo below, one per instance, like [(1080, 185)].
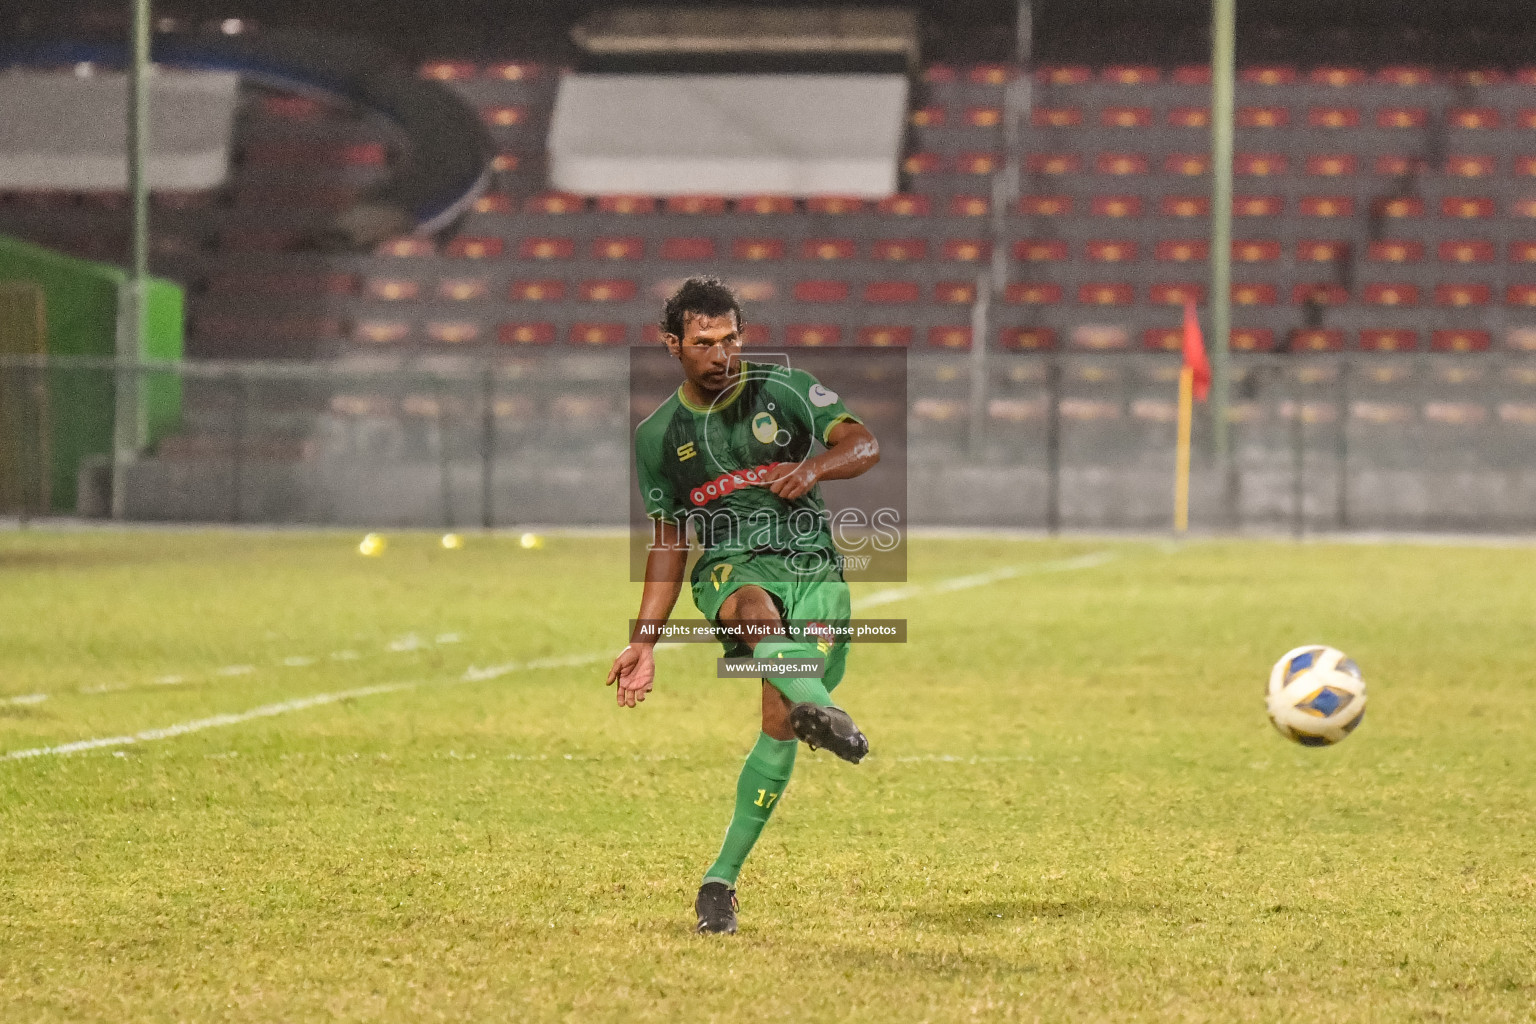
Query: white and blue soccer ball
[(1316, 695)]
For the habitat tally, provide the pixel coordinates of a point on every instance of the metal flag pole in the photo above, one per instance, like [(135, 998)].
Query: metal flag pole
[(130, 332), (1223, 87)]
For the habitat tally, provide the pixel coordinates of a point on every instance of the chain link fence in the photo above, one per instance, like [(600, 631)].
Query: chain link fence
[(1029, 440)]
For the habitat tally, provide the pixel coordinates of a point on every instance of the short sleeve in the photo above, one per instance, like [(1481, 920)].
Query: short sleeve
[(825, 406), (655, 489)]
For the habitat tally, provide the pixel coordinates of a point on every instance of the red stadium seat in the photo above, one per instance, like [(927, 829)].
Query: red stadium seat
[(1056, 117), (618, 247), (1524, 167), (494, 202), (1029, 339), (392, 289), (1333, 117), (1522, 252), (1255, 250), (1259, 165), (463, 289), (885, 337), (1257, 206), (905, 205), (892, 292), (1116, 206), (812, 335), (1125, 117), (536, 291), (1106, 294), (1192, 74), (1268, 74), (1163, 339), (965, 250), (544, 248), (1377, 293), (689, 248), (969, 206), (1523, 208), (765, 205), (1027, 293), (1111, 251), (955, 293), (1189, 117), (1466, 250), (626, 204), (1338, 77), (977, 163), (1184, 206), (477, 248), (1187, 165), (1525, 118), (503, 116), (1461, 165), (448, 71), (898, 250), (828, 249), (1393, 250), (1459, 341), (1054, 164), (1402, 117), (929, 117), (697, 204), (1031, 250), (1069, 74), (452, 332), (1121, 164), (1175, 293), (1318, 341), (1249, 339), (536, 333), (1395, 165), (1247, 294), (608, 289), (515, 71), (1319, 294), (1131, 74), (1460, 295), (381, 332), (1326, 206), (820, 291), (1182, 250), (949, 337), (1478, 77), (1332, 165), (834, 206), (555, 203), (982, 117), (598, 334), (1044, 206), (757, 249), (1472, 118), (1520, 295), (940, 73), (921, 163), (1405, 76), (1394, 340), (1467, 207), (1263, 117), (991, 74), (406, 248)]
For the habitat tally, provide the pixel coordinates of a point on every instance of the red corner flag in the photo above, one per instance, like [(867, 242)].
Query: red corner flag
[(1194, 353)]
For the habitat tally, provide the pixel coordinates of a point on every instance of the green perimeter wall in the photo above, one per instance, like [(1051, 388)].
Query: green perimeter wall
[(82, 300)]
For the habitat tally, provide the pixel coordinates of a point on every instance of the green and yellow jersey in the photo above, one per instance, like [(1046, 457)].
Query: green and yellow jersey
[(706, 467)]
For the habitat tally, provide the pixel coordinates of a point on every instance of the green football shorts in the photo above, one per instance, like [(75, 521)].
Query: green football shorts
[(815, 598)]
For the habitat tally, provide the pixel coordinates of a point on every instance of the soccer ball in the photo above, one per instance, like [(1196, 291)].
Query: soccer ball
[(1316, 695)]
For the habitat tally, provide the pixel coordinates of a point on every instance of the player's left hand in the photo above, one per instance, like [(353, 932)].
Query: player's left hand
[(794, 481), (635, 672)]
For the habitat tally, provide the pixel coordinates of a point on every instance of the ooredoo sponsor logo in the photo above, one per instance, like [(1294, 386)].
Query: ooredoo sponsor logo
[(726, 483)]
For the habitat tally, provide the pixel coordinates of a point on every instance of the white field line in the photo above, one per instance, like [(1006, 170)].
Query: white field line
[(25, 699), (474, 674)]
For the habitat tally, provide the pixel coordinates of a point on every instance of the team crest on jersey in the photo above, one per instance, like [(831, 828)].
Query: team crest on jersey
[(765, 427), (821, 397)]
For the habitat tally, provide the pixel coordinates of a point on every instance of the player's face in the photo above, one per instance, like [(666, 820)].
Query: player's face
[(710, 351)]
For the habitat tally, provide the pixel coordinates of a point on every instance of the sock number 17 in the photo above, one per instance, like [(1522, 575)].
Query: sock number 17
[(765, 798)]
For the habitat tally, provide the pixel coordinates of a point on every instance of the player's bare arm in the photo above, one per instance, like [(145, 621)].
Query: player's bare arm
[(851, 450), (634, 670)]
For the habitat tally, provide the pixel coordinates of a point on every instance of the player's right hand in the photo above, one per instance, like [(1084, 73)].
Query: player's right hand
[(635, 672)]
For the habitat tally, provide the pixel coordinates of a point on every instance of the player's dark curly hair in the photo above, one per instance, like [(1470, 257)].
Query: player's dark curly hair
[(698, 296)]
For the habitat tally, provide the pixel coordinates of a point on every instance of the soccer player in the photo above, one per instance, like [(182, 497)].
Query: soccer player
[(732, 453)]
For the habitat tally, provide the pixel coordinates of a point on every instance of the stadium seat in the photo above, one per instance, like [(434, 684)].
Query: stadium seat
[(1257, 206), (1054, 164), (690, 248), (1044, 206), (1466, 251), (555, 203), (476, 247), (494, 202), (1253, 250), (955, 293), (905, 205), (1033, 293), (452, 332), (381, 332), (1317, 340), (828, 249), (1162, 339), (1393, 250), (953, 336), (463, 289), (969, 206), (406, 248), (1056, 117), (965, 250), (618, 247), (1253, 294), (543, 248), (593, 333), (1463, 295), (1125, 117), (1182, 250), (390, 289), (448, 71), (885, 336), (1330, 207), (609, 289), (1119, 250), (1520, 295), (539, 332), (765, 206), (1262, 117), (1390, 293), (1459, 341), (1187, 165), (1467, 207), (515, 71), (626, 205), (896, 250), (1105, 294), (1121, 164), (1333, 118), (976, 163), (1116, 206), (1522, 251), (547, 290), (1175, 293), (1250, 339), (1029, 339), (1469, 165), (501, 116), (1319, 294), (1332, 165), (1184, 207), (1189, 117), (1388, 340), (757, 249), (1267, 74), (812, 335), (834, 206), (1037, 250), (1396, 165), (696, 205), (820, 291), (892, 292)]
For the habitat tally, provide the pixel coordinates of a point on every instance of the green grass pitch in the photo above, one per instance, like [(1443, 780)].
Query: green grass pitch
[(1075, 810)]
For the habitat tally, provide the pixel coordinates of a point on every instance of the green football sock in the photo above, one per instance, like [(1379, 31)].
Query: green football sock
[(758, 789), (798, 691)]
